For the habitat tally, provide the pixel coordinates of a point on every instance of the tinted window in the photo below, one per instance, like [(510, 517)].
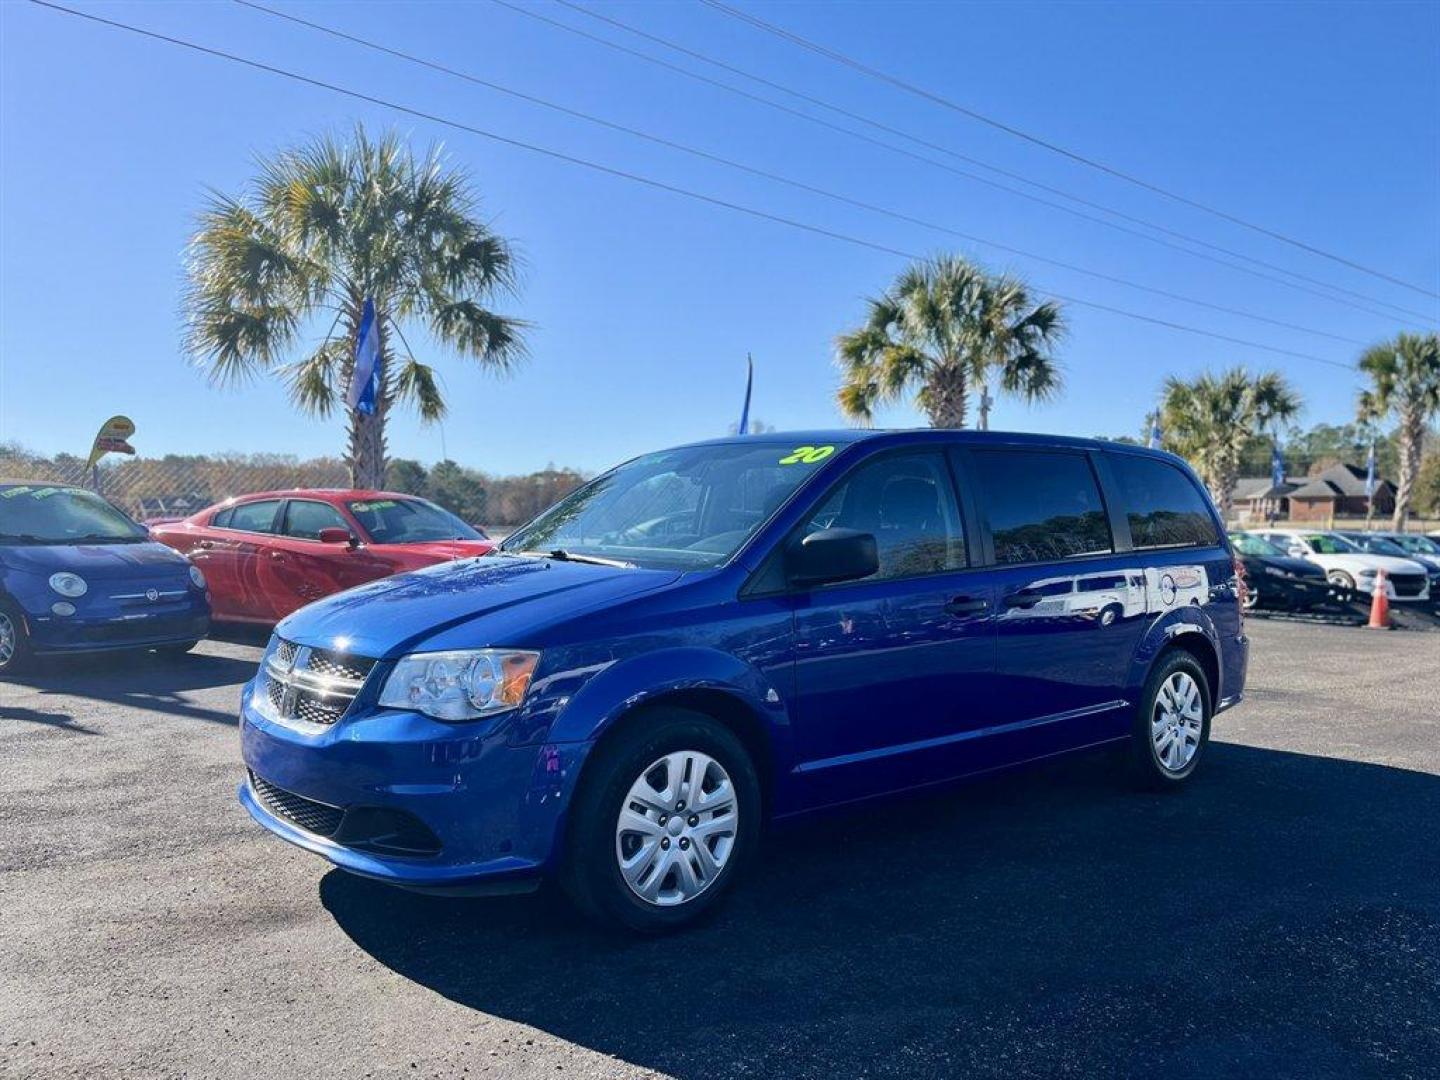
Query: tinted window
[(1162, 505), (1042, 506), (907, 502), (305, 519), (254, 517)]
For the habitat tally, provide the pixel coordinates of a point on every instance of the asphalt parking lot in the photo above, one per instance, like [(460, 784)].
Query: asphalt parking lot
[(1280, 918)]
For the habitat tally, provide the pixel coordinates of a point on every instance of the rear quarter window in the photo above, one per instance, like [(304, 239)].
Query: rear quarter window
[(1163, 506)]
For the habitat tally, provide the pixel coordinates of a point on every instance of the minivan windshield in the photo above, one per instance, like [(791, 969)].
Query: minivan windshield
[(685, 509), (46, 514)]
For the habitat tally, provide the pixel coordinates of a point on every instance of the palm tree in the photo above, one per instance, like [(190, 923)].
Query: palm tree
[(322, 230), (1404, 380), (1212, 420), (944, 327)]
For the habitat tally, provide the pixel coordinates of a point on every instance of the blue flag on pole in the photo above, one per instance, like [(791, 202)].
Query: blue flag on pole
[(365, 379), (1370, 474), (1277, 467), (1155, 432), (744, 428)]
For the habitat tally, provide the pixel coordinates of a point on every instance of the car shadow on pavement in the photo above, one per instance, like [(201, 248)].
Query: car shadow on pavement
[(138, 680), (1280, 916)]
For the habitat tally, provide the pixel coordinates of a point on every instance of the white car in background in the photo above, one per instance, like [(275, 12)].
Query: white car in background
[(1348, 566)]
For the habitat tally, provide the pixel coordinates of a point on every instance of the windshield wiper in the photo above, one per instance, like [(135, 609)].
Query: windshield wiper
[(561, 555), (99, 538)]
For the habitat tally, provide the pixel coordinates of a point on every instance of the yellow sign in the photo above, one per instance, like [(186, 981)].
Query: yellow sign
[(807, 455), (112, 438)]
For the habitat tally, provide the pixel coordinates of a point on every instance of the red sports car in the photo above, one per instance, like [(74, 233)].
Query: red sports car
[(267, 554)]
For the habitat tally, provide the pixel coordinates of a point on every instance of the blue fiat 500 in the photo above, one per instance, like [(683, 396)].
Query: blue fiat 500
[(77, 575), (712, 637)]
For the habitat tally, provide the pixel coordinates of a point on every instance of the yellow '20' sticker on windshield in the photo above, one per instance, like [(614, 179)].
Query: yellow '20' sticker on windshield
[(807, 455)]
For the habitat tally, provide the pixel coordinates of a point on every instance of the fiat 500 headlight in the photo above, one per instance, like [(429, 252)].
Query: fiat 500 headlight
[(462, 685), (67, 584), (196, 577)]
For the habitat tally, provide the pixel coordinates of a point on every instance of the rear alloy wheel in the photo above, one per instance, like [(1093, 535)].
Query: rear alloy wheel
[(665, 815), (1172, 724), (15, 655)]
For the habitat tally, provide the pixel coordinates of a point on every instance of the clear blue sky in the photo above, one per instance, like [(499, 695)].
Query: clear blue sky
[(1320, 120)]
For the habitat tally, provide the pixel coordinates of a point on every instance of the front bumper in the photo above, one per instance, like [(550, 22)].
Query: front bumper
[(495, 810), (104, 626)]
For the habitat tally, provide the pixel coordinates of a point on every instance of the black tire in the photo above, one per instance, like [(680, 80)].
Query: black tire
[(1146, 767), (1111, 613), (1341, 578), (21, 657), (590, 873)]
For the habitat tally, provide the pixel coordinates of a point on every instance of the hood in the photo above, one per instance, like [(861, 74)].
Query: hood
[(442, 549), (147, 561), (1294, 567), (490, 601)]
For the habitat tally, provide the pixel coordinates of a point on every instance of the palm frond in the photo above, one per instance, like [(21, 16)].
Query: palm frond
[(417, 383)]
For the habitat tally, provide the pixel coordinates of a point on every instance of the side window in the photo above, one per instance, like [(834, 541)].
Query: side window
[(907, 502), (222, 519), (305, 519), (258, 517), (1043, 506), (1164, 508)]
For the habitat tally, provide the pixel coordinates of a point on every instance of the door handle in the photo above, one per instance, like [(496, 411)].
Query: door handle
[(966, 605), (277, 556), (1022, 598), (207, 544)]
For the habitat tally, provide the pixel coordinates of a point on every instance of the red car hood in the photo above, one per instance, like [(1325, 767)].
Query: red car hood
[(438, 550)]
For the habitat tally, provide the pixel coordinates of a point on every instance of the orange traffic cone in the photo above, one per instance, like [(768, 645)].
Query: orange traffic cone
[(1379, 605)]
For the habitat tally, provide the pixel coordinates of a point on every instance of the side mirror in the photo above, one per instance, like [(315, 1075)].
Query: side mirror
[(832, 555), (336, 535)]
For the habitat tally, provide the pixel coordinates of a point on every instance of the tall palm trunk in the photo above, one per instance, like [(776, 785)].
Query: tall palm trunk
[(947, 396), (366, 454), (1412, 446)]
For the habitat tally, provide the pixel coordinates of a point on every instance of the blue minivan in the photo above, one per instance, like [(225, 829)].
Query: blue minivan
[(709, 638), (77, 575)]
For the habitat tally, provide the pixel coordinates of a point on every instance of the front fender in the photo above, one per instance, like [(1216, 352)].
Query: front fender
[(648, 676)]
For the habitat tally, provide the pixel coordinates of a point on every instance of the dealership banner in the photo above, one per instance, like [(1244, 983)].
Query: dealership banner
[(112, 438)]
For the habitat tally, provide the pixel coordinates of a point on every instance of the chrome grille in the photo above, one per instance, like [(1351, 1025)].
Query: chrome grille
[(338, 666), (307, 687)]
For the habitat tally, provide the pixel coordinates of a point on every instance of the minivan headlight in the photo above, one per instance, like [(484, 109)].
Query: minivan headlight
[(69, 585), (461, 685)]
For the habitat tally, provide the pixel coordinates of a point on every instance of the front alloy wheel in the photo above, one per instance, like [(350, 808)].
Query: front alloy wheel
[(666, 812), (15, 655), (677, 828)]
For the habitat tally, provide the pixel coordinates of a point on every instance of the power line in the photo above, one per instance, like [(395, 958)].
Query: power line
[(893, 148), (660, 185), (778, 178), (949, 152), (1130, 178)]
